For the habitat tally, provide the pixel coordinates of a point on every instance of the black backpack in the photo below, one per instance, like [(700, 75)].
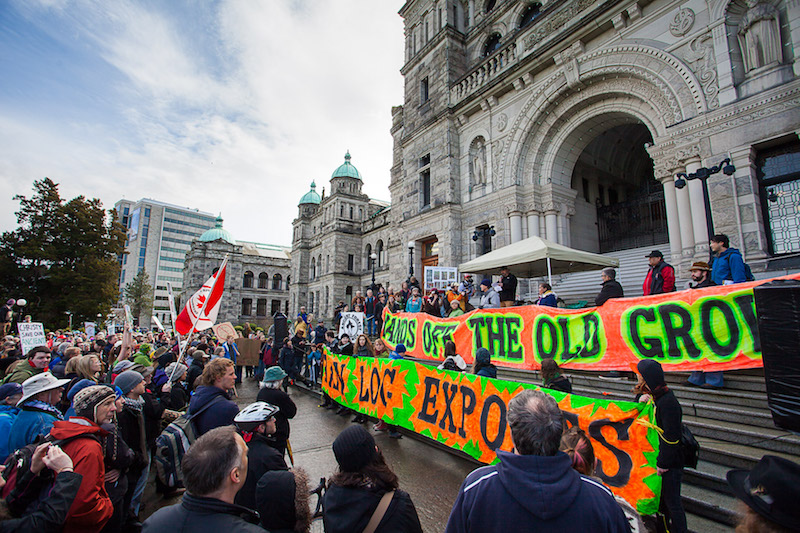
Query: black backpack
[(690, 448)]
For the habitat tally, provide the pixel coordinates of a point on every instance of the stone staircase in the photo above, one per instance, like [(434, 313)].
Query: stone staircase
[(733, 426)]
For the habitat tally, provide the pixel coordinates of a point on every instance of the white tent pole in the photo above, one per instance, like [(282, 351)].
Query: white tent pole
[(549, 273)]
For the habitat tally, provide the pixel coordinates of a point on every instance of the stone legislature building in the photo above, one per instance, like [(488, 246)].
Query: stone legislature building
[(570, 120)]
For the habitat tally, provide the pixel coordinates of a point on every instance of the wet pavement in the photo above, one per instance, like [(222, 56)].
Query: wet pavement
[(430, 475)]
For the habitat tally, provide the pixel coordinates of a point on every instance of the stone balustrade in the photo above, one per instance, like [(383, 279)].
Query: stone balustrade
[(491, 68)]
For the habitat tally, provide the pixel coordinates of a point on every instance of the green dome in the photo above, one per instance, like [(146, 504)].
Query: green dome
[(346, 170), (311, 197), (216, 233)]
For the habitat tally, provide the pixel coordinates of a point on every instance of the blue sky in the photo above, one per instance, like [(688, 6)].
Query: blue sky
[(228, 106)]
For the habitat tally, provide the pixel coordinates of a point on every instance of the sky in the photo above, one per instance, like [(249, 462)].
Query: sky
[(228, 106)]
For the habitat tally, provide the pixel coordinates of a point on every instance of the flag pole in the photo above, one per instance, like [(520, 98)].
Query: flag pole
[(194, 322), (173, 314)]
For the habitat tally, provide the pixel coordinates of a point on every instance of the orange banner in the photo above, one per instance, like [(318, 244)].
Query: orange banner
[(700, 329), (468, 413)]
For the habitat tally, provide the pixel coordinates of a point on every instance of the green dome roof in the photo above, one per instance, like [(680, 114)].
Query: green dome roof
[(311, 197), (346, 169), (216, 233)]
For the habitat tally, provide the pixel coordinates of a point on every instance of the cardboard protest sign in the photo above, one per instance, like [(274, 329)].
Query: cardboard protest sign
[(702, 329), (468, 413), (90, 328), (249, 351), (224, 330), (352, 324), (31, 335)]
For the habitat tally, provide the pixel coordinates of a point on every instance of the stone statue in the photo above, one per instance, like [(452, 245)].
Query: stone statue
[(759, 35), (479, 164)]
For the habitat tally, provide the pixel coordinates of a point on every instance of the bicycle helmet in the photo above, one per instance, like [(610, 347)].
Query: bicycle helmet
[(254, 415)]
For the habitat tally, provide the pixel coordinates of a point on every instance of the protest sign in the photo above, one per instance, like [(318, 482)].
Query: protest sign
[(31, 335), (352, 324), (702, 329), (249, 351), (225, 330), (468, 413), (90, 328)]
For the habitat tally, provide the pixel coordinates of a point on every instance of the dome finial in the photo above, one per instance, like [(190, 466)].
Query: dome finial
[(347, 156)]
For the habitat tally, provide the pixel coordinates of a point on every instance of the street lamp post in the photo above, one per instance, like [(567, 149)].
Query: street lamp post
[(373, 256), (702, 174), (411, 245), (69, 313), (21, 302)]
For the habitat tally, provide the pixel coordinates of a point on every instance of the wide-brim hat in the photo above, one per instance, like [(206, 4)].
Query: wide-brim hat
[(700, 265), (771, 488), (40, 383), (274, 373)]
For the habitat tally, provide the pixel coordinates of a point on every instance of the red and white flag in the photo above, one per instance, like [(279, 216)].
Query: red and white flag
[(201, 310)]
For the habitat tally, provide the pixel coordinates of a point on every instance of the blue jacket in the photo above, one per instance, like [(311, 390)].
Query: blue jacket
[(219, 414), (536, 494), (29, 424), (414, 306), (231, 351), (729, 265), (7, 416)]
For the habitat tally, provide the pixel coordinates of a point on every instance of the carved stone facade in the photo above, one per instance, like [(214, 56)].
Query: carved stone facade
[(559, 118)]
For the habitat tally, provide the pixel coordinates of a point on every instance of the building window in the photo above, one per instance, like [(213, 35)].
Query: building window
[(276, 282), (350, 262), (313, 268), (484, 239), (423, 91), (367, 253), (531, 13), (261, 307), (351, 213), (492, 45), (311, 302), (490, 5), (379, 252), (247, 306), (276, 307), (248, 280), (778, 171), (425, 187), (425, 160), (263, 281)]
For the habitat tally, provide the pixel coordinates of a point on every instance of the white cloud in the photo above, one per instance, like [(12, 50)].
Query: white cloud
[(235, 113)]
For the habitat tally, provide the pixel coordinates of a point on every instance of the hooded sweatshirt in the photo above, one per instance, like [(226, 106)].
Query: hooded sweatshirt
[(543, 493), (92, 507), (219, 414), (668, 414), (349, 509)]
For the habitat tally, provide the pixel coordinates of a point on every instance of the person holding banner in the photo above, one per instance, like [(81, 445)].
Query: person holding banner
[(534, 488), (489, 299), (661, 276), (508, 287)]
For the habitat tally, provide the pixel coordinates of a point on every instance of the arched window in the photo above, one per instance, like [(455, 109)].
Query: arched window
[(492, 45), (490, 5), (530, 14), (288, 282), (313, 267), (319, 264), (276, 282), (367, 253), (351, 212), (248, 280), (263, 281), (379, 251)]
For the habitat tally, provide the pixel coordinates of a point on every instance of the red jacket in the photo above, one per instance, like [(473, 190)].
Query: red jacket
[(659, 279), (92, 507)]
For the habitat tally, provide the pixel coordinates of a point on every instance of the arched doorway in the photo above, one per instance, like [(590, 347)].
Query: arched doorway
[(620, 204)]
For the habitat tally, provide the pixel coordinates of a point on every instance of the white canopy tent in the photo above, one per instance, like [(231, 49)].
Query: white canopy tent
[(535, 257)]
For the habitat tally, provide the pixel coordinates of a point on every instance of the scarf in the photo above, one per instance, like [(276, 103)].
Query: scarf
[(42, 406), (134, 405)]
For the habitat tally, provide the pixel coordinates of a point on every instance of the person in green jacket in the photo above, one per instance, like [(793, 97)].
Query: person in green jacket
[(142, 357), (455, 309), (36, 362)]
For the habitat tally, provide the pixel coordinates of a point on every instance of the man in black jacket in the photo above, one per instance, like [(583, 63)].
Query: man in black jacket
[(508, 291), (611, 287), (669, 463), (214, 471)]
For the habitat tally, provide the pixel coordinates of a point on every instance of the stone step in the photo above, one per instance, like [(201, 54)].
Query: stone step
[(767, 439), (708, 475), (732, 455), (699, 524), (708, 504)]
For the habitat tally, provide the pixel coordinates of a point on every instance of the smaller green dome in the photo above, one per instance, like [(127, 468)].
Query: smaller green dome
[(311, 197), (346, 169), (216, 233)]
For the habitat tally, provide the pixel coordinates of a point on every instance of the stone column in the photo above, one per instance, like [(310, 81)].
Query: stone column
[(698, 206), (516, 226), (567, 237), (685, 216), (673, 219), (561, 223), (533, 224), (551, 226), (722, 57), (793, 11)]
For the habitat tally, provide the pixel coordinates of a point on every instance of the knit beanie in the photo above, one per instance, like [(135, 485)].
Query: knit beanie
[(79, 386), (354, 449), (179, 373), (486, 282), (128, 380), (86, 401), (482, 356)]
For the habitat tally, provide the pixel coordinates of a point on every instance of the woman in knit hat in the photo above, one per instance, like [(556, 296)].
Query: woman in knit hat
[(483, 364), (92, 508), (362, 481), (178, 398)]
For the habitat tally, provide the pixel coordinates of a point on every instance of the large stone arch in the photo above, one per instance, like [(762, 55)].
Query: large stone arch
[(647, 83)]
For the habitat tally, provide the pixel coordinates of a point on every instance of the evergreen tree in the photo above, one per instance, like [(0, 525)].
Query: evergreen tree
[(63, 256), (139, 295)]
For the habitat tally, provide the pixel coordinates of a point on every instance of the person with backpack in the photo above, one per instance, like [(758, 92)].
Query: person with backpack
[(37, 410), (92, 507), (219, 376), (728, 267), (271, 393), (256, 423), (10, 394), (669, 464)]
